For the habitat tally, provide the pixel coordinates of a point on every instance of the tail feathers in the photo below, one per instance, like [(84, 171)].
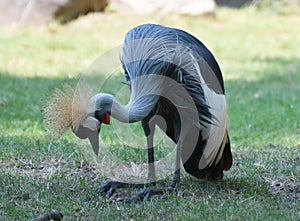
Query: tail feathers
[(225, 163), (215, 171), (226, 160)]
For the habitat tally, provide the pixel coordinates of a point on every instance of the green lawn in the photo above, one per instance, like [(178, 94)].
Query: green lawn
[(260, 58)]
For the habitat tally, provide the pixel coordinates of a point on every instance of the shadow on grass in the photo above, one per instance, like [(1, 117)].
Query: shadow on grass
[(265, 108), (22, 97), (268, 103)]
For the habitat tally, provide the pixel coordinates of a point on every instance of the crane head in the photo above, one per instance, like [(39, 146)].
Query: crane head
[(90, 129)]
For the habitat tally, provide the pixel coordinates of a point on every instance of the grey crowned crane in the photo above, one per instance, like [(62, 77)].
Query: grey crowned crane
[(176, 84)]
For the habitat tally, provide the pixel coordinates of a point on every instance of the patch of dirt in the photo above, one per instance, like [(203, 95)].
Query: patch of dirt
[(47, 168), (288, 187)]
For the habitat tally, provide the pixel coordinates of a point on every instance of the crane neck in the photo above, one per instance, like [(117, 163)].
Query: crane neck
[(135, 110), (121, 112)]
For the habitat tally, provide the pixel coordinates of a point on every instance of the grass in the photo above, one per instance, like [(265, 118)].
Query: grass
[(259, 57)]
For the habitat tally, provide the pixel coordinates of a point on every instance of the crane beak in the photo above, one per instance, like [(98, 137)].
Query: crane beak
[(94, 140), (90, 129)]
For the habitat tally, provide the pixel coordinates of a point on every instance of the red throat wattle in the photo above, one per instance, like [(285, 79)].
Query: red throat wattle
[(106, 118)]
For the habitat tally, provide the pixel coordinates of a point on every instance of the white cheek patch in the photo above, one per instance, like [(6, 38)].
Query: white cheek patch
[(91, 123)]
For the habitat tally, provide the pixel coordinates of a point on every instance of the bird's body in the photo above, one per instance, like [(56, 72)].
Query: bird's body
[(176, 84), (203, 89)]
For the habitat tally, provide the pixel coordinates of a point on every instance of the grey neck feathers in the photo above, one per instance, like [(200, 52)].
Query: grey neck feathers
[(135, 110)]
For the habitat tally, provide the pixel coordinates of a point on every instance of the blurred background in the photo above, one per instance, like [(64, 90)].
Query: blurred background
[(39, 12)]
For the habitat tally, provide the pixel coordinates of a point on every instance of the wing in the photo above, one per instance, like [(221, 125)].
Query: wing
[(153, 50)]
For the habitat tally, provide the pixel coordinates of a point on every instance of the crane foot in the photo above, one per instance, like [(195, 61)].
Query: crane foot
[(144, 194), (147, 193), (110, 187)]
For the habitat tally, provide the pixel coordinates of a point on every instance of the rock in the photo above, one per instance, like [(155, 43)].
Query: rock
[(191, 7), (234, 3), (56, 216), (38, 12), (74, 8)]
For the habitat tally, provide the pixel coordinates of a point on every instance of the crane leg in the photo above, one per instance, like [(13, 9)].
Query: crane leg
[(176, 178), (151, 167), (109, 188), (147, 193)]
